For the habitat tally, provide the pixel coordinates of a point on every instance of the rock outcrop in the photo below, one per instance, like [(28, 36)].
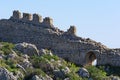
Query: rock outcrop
[(27, 48), (6, 75), (83, 72), (41, 32)]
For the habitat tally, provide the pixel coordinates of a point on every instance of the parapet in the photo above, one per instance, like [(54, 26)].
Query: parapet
[(27, 16), (37, 18), (32, 18), (16, 15), (48, 20), (72, 30)]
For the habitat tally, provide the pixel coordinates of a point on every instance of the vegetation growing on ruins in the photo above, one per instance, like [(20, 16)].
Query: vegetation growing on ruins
[(46, 64)]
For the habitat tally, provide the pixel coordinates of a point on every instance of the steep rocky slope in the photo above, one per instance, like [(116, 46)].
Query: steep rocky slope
[(24, 61)]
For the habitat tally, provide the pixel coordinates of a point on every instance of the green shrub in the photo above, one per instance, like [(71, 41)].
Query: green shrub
[(114, 71), (110, 70), (32, 72), (6, 48), (37, 61), (73, 76), (3, 64), (96, 73), (9, 65), (49, 57)]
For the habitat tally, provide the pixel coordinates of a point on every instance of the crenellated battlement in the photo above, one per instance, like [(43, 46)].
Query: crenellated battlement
[(16, 15), (48, 20), (72, 30), (37, 18), (27, 16), (31, 18), (32, 28)]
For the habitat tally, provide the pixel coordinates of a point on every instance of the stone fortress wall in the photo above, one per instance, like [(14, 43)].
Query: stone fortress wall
[(31, 18), (66, 44)]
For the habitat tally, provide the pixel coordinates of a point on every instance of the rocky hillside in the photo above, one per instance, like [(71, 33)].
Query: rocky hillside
[(23, 61)]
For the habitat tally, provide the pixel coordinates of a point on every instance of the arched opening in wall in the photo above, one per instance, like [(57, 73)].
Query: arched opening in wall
[(90, 58)]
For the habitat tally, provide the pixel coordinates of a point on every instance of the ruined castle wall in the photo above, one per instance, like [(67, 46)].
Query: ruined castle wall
[(65, 44), (16, 15), (48, 20), (40, 36), (37, 18), (34, 19), (27, 16)]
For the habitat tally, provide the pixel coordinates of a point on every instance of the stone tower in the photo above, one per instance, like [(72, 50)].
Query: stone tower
[(37, 18), (27, 16), (72, 30), (48, 21), (16, 15)]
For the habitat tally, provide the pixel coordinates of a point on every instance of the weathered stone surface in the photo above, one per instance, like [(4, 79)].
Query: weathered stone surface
[(61, 73), (6, 75), (26, 64), (16, 15), (66, 79), (27, 16), (1, 45), (21, 67), (37, 18), (58, 73), (72, 30), (2, 56), (114, 78), (13, 55), (27, 48), (66, 70), (19, 75), (35, 77), (48, 20), (44, 52), (83, 72), (64, 44)]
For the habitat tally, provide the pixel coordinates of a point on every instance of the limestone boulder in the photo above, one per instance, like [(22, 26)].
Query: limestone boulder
[(6, 75), (58, 74), (36, 77), (1, 45), (114, 78), (67, 79), (66, 70), (61, 73), (26, 64), (45, 52), (83, 72), (2, 55), (12, 56), (25, 56), (21, 67), (27, 48)]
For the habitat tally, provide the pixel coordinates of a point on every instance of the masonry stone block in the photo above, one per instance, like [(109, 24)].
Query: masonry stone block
[(16, 15), (37, 18), (48, 20), (27, 16)]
